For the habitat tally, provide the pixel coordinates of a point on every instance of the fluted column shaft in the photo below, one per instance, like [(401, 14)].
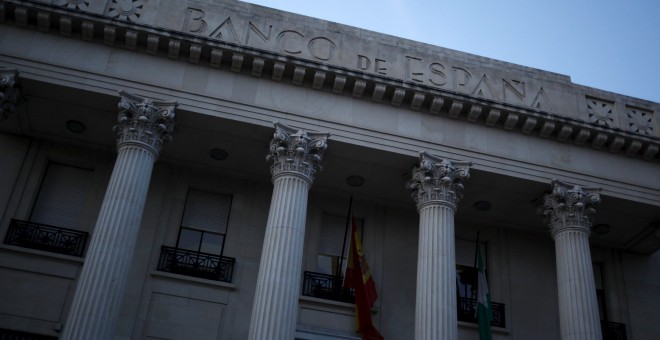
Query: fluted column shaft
[(568, 209), (278, 283), (143, 125), (435, 306), (436, 186), (296, 155), (578, 306), (100, 288)]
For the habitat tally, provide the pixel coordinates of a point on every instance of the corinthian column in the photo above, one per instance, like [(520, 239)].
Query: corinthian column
[(567, 209), (144, 124), (296, 155), (436, 184), (9, 92)]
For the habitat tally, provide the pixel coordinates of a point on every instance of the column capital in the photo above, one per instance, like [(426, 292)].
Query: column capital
[(9, 91), (144, 121), (438, 180), (296, 151), (569, 207)]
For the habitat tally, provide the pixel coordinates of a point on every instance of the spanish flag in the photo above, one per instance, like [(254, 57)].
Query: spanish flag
[(359, 278)]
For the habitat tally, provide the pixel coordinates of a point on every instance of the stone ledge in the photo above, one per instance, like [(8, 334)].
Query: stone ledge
[(43, 253), (499, 330), (219, 284), (348, 307)]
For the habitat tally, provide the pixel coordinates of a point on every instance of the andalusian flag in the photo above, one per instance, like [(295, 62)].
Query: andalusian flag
[(359, 278), (484, 311)]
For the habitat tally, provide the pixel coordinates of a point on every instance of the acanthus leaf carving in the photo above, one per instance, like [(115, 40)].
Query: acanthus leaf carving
[(569, 207), (296, 151), (438, 180), (144, 121), (9, 92)]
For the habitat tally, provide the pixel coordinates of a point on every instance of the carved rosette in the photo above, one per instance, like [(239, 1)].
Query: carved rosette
[(9, 91), (438, 181), (82, 5), (640, 121), (569, 207), (129, 10), (296, 151), (601, 112), (144, 121)]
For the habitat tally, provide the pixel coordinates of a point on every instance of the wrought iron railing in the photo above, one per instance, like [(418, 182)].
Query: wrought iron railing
[(46, 237), (613, 330), (197, 264), (467, 312), (327, 287)]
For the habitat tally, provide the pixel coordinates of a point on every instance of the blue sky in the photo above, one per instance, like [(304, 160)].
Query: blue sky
[(611, 45)]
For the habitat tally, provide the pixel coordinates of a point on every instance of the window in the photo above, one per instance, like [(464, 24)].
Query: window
[(201, 239), (466, 273), (331, 261), (55, 223), (611, 330), (333, 245), (204, 222), (466, 283), (62, 196), (600, 291)]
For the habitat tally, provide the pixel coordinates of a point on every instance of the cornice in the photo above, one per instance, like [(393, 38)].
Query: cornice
[(640, 141)]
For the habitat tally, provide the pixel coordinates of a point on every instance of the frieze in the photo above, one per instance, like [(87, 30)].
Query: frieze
[(326, 56), (427, 69)]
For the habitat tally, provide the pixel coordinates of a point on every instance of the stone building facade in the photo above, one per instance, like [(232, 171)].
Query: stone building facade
[(183, 170)]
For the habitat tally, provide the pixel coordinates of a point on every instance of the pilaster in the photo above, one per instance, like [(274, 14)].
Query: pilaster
[(296, 157), (568, 209), (143, 126), (436, 184)]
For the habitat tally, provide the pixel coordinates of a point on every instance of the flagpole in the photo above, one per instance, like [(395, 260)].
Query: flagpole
[(476, 253), (343, 245), (484, 312)]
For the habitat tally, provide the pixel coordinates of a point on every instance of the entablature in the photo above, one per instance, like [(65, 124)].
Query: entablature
[(324, 56)]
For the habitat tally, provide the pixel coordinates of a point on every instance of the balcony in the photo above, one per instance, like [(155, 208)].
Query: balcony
[(196, 264), (47, 238), (613, 330), (327, 287), (467, 309)]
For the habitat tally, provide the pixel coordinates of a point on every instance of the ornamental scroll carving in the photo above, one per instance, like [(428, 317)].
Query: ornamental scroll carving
[(298, 151), (438, 180), (144, 121), (9, 92), (569, 207)]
